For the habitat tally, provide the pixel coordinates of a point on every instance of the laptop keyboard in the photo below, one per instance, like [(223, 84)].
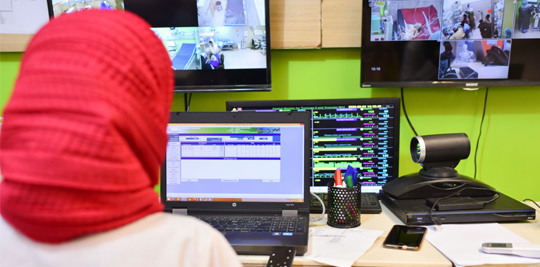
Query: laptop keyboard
[(256, 224), (369, 203)]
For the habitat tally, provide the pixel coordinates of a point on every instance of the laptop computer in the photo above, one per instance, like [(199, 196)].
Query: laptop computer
[(249, 169)]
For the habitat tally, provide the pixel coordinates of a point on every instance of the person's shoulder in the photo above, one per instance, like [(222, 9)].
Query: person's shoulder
[(6, 230), (172, 226)]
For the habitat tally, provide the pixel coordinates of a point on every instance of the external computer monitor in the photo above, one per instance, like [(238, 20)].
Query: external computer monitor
[(363, 133)]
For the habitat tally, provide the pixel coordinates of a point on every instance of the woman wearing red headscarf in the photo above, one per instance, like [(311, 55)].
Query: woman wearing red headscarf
[(82, 141)]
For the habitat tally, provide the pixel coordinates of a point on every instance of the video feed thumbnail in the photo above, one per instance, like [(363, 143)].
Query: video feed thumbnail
[(398, 20), (182, 45), (69, 6), (527, 23), (217, 13), (233, 47), (194, 48), (485, 59), (476, 20)]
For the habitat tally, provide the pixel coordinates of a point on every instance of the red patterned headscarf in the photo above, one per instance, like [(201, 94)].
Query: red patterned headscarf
[(84, 134)]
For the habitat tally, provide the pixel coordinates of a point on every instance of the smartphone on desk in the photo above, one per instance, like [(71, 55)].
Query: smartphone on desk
[(405, 237)]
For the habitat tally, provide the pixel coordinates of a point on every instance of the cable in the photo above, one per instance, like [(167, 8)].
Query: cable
[(534, 202), (405, 112), (187, 101), (457, 193), (316, 219), (480, 133)]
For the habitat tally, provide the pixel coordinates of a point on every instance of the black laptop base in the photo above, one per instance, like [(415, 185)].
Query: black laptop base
[(249, 249), (261, 235), (416, 211)]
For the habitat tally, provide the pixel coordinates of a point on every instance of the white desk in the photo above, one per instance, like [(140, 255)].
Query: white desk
[(379, 256)]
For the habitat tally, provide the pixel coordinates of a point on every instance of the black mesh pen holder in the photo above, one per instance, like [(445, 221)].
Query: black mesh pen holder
[(344, 206)]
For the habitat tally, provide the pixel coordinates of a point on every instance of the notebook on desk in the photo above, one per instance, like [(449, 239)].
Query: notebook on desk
[(245, 174)]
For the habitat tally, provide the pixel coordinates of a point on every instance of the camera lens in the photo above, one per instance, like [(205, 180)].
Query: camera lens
[(418, 149)]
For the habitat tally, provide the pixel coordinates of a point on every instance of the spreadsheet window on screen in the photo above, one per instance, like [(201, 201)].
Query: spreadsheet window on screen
[(363, 133), (235, 162)]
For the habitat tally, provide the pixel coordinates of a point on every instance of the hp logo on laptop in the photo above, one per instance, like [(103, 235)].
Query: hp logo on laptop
[(234, 205)]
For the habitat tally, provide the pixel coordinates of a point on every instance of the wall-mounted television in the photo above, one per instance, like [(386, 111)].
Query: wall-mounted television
[(213, 45), (459, 43)]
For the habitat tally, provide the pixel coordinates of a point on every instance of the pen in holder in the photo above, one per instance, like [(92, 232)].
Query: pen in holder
[(344, 206)]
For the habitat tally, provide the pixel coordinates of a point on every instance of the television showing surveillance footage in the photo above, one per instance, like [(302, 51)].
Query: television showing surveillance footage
[(450, 43), (213, 45)]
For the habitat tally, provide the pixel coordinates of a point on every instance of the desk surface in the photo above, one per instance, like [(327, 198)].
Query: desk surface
[(379, 256)]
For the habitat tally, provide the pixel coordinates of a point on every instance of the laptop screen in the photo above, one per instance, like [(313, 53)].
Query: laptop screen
[(235, 162)]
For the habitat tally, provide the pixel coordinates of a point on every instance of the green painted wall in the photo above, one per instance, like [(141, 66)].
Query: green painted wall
[(510, 141), (9, 68)]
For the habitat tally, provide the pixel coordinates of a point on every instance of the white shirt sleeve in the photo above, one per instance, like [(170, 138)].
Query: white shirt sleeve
[(208, 248), (157, 240)]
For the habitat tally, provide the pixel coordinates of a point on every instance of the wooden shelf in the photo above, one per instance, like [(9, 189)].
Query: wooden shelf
[(295, 24), (14, 42), (341, 23), (315, 24)]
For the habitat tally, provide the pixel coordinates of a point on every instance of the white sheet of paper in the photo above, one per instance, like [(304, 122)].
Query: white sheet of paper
[(462, 243), (340, 247), (22, 17)]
